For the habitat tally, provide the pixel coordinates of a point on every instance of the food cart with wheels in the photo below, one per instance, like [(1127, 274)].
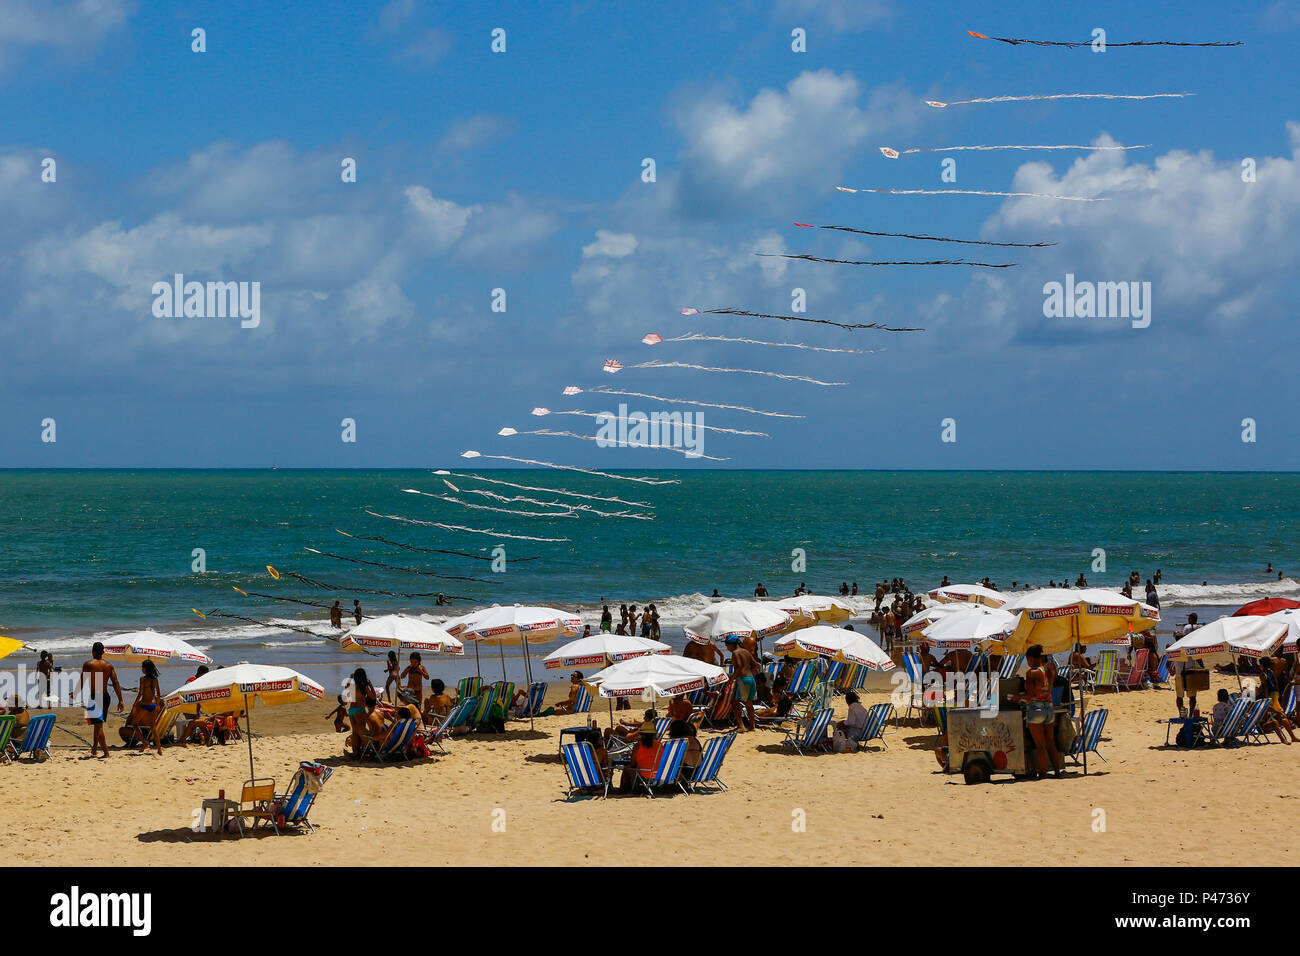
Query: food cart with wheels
[(987, 741)]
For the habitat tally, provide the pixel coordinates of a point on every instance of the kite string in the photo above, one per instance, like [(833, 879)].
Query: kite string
[(687, 401), (697, 337), (905, 235), (969, 192), (743, 371), (509, 511), (640, 479), (622, 444), (457, 527), (799, 318), (394, 567), (557, 491), (859, 262)]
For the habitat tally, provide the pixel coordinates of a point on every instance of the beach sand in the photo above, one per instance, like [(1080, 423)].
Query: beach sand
[(501, 801)]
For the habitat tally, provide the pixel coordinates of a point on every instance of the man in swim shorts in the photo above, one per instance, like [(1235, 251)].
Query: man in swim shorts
[(96, 675), (744, 667)]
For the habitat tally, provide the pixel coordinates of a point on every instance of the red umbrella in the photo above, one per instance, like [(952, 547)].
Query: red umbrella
[(1264, 606)]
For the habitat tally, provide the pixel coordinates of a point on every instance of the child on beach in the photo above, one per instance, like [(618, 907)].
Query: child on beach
[(415, 676), (438, 703), (339, 715)]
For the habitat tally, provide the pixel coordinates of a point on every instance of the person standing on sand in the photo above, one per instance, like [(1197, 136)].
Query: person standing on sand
[(606, 620), (744, 667), (336, 615), (356, 609), (96, 675)]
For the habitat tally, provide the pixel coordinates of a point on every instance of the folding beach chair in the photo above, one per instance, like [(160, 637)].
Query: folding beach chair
[(1289, 701), (847, 676), (698, 697), (256, 802), (36, 742), (814, 735), (1088, 740), (536, 700), (661, 727), (7, 724), (711, 763), (821, 694), (940, 719), (291, 808), (1226, 729), (582, 703), (916, 695), (503, 692), (1107, 673), (978, 661), (833, 674), (456, 717), (394, 743), (1162, 670), (1011, 665), (469, 687), (1137, 672), (874, 728), (482, 708), (1249, 729), (802, 679), (668, 771), (584, 773)]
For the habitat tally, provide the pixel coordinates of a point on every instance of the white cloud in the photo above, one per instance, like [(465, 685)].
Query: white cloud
[(66, 27), (615, 245), (850, 16), (472, 133)]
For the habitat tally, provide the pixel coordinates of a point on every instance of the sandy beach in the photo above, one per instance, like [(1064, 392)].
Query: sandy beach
[(501, 800)]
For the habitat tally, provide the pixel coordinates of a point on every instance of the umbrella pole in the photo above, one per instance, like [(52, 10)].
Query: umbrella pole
[(248, 728), (478, 665), (528, 675), (501, 649), (1083, 701)]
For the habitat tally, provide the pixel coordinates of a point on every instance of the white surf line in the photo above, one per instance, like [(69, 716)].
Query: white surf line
[(586, 471), (574, 390), (507, 432), (697, 337), (742, 371), (556, 491), (458, 527), (940, 104), (890, 153), (509, 511), (968, 192), (539, 411)]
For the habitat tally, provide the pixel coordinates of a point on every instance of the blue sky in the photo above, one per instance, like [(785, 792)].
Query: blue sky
[(522, 171)]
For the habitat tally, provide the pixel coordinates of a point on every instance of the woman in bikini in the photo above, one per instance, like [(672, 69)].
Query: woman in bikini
[(393, 674), (144, 712), (1040, 715), (358, 713)]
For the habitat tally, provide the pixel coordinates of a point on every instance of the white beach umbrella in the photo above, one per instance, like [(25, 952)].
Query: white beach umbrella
[(1291, 617), (231, 689), (397, 632), (1221, 641), (836, 644), (739, 618), (969, 594), (935, 612), (516, 624), (817, 608), (976, 626), (140, 646), (602, 650), (669, 675)]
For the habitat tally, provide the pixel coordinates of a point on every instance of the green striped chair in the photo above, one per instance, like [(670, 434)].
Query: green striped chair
[(469, 687)]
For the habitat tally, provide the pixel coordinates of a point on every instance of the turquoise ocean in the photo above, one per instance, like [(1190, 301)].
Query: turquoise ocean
[(88, 554)]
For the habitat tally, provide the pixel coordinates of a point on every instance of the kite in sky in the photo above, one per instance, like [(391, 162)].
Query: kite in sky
[(908, 235), (966, 192), (539, 411), (574, 390), (742, 371), (870, 262), (798, 318), (507, 432), (940, 104), (1016, 41), (521, 499), (654, 339)]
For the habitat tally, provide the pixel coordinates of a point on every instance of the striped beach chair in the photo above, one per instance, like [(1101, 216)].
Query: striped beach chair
[(1011, 665), (1135, 676), (661, 727), (582, 703), (813, 736), (978, 661), (503, 692), (916, 695), (874, 728), (711, 762), (395, 742), (846, 677), (940, 720), (36, 742), (1162, 670), (1087, 742), (1107, 673), (1290, 700), (7, 724), (483, 707), (458, 716), (669, 769), (1255, 713), (583, 771), (469, 687), (834, 672), (292, 808), (803, 677), (772, 670), (1226, 729), (697, 698), (536, 700)]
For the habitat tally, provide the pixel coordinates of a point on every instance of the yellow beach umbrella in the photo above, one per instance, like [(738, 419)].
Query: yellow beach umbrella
[(9, 644)]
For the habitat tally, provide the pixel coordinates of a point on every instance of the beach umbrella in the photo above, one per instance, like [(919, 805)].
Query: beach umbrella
[(1059, 618), (9, 644), (815, 609), (602, 650), (660, 675), (834, 643), (397, 632), (1224, 640), (976, 626), (935, 612), (969, 594), (1265, 606), (230, 689), (1292, 618), (140, 646), (739, 618)]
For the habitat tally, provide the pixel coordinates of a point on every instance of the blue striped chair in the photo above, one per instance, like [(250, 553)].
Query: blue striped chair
[(1289, 702), (458, 716), (711, 762), (834, 672), (1226, 729), (36, 742), (584, 773), (668, 771), (1087, 743), (1249, 729), (978, 661), (536, 699), (8, 723), (874, 728), (1011, 665), (582, 703), (1162, 670), (394, 743), (661, 726), (802, 678), (293, 807), (813, 737), (916, 696)]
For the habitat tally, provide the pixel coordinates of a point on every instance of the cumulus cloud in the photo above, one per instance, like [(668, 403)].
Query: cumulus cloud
[(65, 27), (472, 132), (850, 16), (615, 245)]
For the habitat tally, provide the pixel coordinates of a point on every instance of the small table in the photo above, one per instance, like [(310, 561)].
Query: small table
[(216, 814), (1198, 725)]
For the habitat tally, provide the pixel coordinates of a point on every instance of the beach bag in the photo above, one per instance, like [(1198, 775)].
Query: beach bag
[(842, 743), (417, 747), (1197, 680), (1187, 737)]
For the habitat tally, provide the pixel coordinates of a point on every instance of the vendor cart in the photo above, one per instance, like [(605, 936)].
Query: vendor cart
[(982, 743)]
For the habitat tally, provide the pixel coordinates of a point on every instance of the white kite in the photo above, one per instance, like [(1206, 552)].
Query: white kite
[(939, 104), (894, 153), (968, 192), (742, 371), (697, 337)]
